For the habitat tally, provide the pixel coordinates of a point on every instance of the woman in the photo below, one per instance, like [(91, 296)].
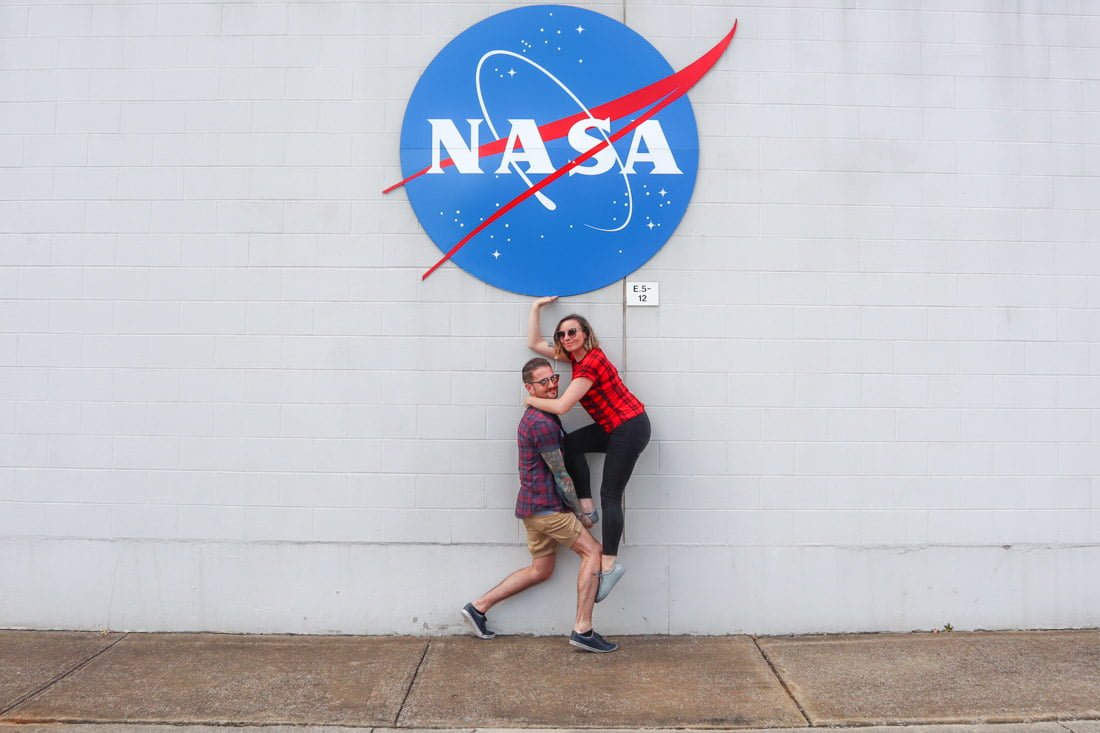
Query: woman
[(621, 428)]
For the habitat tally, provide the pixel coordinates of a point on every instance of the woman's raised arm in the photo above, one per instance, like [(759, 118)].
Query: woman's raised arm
[(535, 342)]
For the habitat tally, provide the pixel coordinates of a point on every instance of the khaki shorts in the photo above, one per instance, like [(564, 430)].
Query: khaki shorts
[(546, 529)]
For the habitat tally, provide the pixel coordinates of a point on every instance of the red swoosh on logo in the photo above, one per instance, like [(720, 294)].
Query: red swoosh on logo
[(660, 94)]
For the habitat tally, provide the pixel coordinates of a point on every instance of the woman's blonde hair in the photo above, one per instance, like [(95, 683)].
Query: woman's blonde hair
[(590, 340)]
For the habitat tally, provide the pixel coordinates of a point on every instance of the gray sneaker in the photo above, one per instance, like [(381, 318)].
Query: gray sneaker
[(592, 642), (608, 581), (478, 622)]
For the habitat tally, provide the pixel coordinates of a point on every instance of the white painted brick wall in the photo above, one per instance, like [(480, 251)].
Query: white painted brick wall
[(874, 375)]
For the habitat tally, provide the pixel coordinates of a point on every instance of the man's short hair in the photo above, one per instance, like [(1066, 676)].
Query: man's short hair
[(530, 367)]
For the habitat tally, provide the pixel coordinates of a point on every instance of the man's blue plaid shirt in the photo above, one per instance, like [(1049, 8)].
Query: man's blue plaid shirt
[(537, 433)]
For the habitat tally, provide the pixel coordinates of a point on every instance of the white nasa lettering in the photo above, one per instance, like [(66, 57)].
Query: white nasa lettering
[(602, 161), (445, 133), (525, 145), (526, 134), (660, 155)]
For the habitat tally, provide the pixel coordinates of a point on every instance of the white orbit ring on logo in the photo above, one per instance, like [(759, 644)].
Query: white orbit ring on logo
[(543, 199)]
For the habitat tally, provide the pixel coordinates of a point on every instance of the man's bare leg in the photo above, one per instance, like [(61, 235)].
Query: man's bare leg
[(540, 569), (588, 579)]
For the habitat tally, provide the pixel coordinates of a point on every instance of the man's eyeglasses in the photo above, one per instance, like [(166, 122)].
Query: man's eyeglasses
[(547, 381), (562, 334)]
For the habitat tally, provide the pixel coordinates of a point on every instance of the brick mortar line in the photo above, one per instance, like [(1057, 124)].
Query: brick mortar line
[(58, 678), (779, 677)]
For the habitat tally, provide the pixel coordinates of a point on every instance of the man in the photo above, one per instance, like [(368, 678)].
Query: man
[(548, 505)]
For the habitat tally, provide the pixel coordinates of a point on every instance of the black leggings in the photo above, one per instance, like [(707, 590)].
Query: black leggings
[(622, 448)]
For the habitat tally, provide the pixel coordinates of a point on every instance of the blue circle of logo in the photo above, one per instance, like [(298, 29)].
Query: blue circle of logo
[(540, 154)]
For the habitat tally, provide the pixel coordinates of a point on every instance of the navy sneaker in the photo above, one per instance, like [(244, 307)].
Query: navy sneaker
[(592, 642), (478, 622)]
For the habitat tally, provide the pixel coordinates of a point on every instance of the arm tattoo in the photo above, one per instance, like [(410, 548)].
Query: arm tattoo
[(562, 480)]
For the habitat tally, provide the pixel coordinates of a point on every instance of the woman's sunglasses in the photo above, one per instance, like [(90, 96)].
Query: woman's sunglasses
[(562, 334)]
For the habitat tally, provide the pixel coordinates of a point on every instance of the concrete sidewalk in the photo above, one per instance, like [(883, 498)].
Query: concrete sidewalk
[(66, 680)]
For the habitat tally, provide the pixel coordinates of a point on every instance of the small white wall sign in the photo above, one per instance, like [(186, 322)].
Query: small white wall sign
[(639, 293)]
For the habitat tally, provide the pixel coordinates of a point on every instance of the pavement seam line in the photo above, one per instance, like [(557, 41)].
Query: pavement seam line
[(62, 675), (786, 688), (412, 684)]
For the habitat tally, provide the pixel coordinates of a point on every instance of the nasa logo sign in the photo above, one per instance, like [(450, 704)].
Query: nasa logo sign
[(551, 149)]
